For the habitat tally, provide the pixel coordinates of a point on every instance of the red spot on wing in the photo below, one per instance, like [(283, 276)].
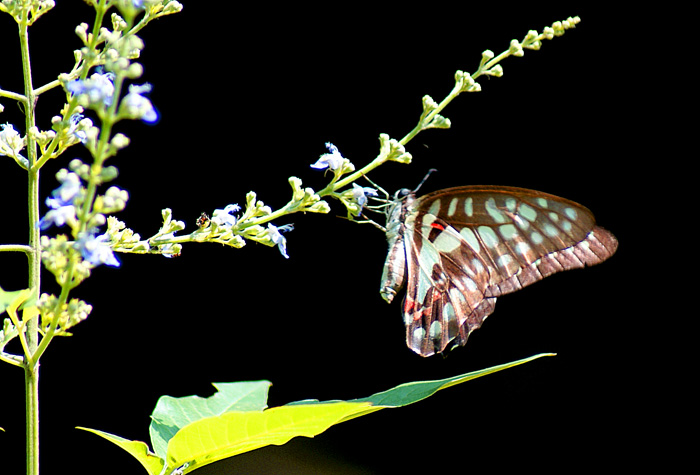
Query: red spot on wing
[(438, 226)]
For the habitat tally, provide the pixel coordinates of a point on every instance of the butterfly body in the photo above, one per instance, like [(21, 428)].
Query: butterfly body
[(458, 249)]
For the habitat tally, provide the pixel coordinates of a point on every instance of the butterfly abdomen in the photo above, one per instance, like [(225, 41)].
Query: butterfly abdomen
[(394, 274)]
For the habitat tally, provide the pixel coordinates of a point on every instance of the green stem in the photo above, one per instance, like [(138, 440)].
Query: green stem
[(31, 368), (12, 95), (416, 130), (352, 177), (16, 248), (31, 388), (11, 359), (48, 336)]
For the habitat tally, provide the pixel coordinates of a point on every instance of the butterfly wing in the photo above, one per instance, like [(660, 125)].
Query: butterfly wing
[(466, 246)]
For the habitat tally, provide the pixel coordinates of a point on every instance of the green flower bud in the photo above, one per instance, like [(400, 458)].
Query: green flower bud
[(516, 48), (496, 71), (81, 32), (119, 141), (548, 32), (68, 315), (118, 23), (438, 122), (320, 207), (429, 105), (135, 70), (391, 149)]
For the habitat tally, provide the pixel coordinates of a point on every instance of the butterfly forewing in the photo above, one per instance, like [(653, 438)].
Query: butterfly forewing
[(465, 246)]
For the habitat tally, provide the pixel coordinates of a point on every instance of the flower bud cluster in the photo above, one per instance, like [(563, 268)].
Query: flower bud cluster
[(306, 199), (97, 93), (123, 239), (354, 199), (61, 317), (71, 261), (464, 82), (11, 144), (151, 8), (228, 228), (429, 120), (29, 9), (392, 149), (489, 62)]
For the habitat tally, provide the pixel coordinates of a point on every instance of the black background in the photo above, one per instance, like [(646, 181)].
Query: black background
[(248, 95)]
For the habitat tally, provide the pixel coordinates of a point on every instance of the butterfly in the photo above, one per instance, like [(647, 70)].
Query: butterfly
[(456, 250)]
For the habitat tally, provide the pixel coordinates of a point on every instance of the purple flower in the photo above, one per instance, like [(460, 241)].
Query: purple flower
[(169, 250), (62, 202), (11, 142), (360, 195), (66, 193), (73, 129), (332, 160), (277, 238), (58, 216), (138, 107), (224, 217), (98, 88), (96, 250)]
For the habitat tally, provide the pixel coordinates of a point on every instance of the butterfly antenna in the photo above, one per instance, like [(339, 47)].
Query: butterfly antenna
[(425, 178)]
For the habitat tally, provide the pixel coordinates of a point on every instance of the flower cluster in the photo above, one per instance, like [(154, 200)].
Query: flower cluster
[(354, 199), (11, 144), (226, 227), (97, 93), (123, 239), (18, 9), (62, 317), (64, 209), (62, 202)]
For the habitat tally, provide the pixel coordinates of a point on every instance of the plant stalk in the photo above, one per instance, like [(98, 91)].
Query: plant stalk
[(31, 367)]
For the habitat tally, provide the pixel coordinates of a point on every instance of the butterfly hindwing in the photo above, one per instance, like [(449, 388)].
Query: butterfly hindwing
[(463, 247)]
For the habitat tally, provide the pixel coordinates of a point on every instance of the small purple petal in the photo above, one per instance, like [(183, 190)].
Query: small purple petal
[(96, 250)]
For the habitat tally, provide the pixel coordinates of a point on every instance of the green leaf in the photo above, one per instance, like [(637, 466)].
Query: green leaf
[(191, 432), (409, 393), (19, 298), (139, 450), (233, 433), (172, 414)]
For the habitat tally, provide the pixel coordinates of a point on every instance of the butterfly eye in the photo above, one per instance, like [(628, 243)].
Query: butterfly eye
[(402, 193)]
